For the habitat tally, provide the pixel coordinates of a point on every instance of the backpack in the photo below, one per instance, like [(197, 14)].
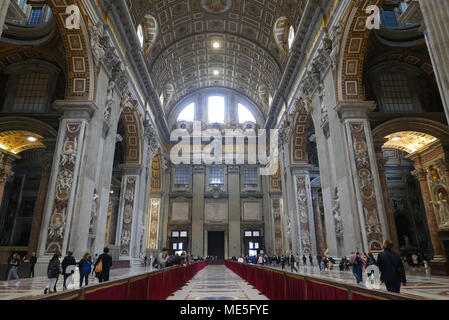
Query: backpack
[(86, 266)]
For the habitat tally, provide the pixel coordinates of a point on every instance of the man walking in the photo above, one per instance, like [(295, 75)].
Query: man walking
[(392, 271), (106, 263), (292, 263), (68, 261), (33, 262)]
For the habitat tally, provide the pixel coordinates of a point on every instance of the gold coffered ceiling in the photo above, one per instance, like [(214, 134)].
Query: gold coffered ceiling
[(19, 141), (248, 59), (409, 141)]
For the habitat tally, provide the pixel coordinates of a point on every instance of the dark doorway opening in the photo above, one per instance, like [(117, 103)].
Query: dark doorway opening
[(215, 244)]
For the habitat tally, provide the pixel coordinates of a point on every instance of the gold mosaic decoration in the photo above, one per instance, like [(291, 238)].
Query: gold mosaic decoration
[(409, 141), (17, 141)]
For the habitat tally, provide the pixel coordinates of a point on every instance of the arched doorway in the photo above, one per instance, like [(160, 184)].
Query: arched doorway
[(417, 148), (26, 153)]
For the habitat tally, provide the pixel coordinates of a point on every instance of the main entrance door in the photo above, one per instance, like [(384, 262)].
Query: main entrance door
[(215, 244)]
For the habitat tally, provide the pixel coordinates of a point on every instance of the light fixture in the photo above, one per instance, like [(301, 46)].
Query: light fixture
[(216, 45), (396, 139), (216, 72), (3, 147), (31, 139), (111, 192), (434, 139)]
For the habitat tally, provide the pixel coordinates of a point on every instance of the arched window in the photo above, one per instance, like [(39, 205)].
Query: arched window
[(188, 113), (291, 37), (245, 115), (140, 34), (216, 109)]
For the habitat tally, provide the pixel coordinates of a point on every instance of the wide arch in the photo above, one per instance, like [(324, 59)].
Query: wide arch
[(22, 123), (430, 127), (80, 75), (349, 76)]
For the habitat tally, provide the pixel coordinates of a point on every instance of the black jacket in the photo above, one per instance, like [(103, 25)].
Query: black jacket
[(68, 261), (107, 261), (391, 267), (54, 269)]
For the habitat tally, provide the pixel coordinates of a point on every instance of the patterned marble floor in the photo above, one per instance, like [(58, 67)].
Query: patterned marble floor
[(419, 282), (217, 283), (28, 288)]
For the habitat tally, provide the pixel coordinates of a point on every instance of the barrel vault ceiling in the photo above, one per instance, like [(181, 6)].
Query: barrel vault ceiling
[(182, 57)]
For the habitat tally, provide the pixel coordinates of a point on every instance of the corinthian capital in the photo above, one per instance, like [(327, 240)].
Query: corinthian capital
[(420, 174)]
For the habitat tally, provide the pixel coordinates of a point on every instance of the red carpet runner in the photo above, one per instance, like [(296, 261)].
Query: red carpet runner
[(279, 285), (157, 285)]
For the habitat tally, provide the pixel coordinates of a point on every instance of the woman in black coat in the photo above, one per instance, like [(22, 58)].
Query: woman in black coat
[(53, 272)]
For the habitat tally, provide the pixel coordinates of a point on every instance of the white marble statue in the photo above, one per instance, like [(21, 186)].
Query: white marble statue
[(337, 214), (441, 210), (93, 213)]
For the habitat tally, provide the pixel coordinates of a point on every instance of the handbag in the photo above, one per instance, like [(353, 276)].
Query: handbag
[(99, 267)]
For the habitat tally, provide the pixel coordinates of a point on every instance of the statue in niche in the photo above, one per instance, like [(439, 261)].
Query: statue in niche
[(434, 174), (96, 32), (109, 100), (93, 213), (337, 214), (441, 210)]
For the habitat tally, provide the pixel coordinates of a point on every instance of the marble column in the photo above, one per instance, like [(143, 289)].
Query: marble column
[(319, 231), (234, 237), (436, 17), (304, 207), (392, 232), (364, 177), (438, 250), (127, 218), (291, 221), (65, 226), (4, 5), (198, 211)]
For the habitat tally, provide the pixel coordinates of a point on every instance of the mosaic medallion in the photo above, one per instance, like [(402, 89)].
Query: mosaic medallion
[(216, 6)]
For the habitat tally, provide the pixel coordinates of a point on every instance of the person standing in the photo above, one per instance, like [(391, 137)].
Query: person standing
[(357, 268), (14, 264), (106, 263), (283, 262), (311, 259), (304, 259), (68, 260), (33, 262), (292, 263), (53, 272), (85, 266), (319, 258), (162, 258), (415, 260), (371, 259), (392, 271)]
